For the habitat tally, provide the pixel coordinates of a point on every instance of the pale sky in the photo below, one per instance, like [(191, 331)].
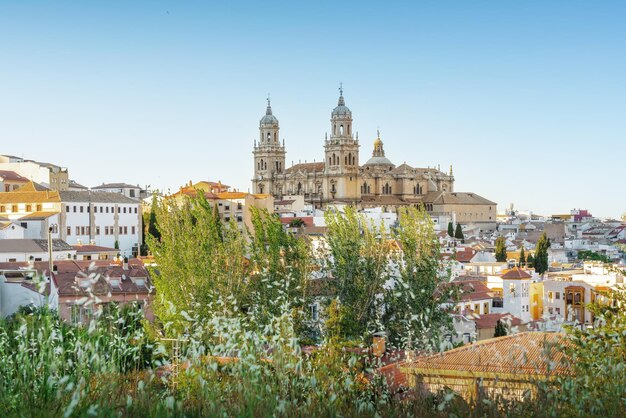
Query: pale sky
[(526, 99)]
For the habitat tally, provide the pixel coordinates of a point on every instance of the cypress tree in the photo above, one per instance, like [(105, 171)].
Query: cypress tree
[(450, 229), (500, 249), (530, 261), (459, 233), (522, 257), (541, 254), (500, 329)]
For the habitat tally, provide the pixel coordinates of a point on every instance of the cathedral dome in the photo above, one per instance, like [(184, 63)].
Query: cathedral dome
[(268, 119), (341, 110), (379, 161)]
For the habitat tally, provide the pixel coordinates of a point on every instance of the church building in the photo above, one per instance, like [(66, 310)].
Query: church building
[(339, 177)]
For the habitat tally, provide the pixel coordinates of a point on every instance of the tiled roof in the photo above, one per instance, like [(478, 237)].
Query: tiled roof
[(474, 290), (11, 176), (38, 215), (465, 256), (92, 249), (516, 273), (29, 193), (68, 270), (76, 185), (116, 186), (529, 353), (306, 167), (456, 198), (490, 320), (95, 197), (26, 245)]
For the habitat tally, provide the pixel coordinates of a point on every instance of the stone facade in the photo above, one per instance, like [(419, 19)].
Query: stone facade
[(339, 177)]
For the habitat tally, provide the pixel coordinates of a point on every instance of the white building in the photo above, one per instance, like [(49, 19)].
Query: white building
[(102, 219), (516, 293), (20, 250), (128, 190), (49, 175)]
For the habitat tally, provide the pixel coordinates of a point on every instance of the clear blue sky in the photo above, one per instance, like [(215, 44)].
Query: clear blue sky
[(526, 99)]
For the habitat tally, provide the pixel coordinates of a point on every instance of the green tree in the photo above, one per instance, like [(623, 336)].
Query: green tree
[(450, 229), (500, 249), (522, 257), (541, 254), (116, 245), (413, 315), (296, 223), (500, 329), (199, 261), (358, 262), (153, 228), (530, 261), (458, 234)]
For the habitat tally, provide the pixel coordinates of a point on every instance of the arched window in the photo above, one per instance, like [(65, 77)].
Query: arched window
[(261, 163), (345, 160), (350, 158), (261, 188), (334, 129), (275, 139), (265, 166), (341, 130), (269, 136), (329, 161), (348, 129)]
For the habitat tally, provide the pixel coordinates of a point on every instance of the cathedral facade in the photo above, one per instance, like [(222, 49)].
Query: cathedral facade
[(339, 177)]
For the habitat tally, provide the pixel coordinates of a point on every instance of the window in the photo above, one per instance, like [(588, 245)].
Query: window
[(78, 230), (107, 210), (24, 225), (38, 208), (37, 258), (132, 230), (69, 231), (125, 230), (132, 192), (13, 208), (88, 209), (97, 230), (557, 311), (135, 210), (95, 209), (239, 206), (124, 209), (12, 260), (3, 209), (82, 230), (121, 230), (80, 314), (550, 296), (239, 218), (227, 207), (106, 230), (29, 208), (74, 209), (101, 209), (558, 295)]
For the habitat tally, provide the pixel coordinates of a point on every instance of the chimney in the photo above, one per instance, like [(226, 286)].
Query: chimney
[(125, 263), (379, 344)]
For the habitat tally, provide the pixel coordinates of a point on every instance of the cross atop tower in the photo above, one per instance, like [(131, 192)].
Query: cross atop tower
[(268, 99), (341, 88)]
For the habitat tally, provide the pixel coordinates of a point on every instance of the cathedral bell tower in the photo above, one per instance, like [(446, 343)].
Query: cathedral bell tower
[(269, 154), (341, 156)]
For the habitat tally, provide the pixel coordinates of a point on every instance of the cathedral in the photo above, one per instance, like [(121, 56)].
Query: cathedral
[(339, 177)]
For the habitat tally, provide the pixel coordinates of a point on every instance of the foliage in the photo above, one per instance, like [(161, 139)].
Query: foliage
[(116, 245), (530, 261), (358, 263), (413, 314), (522, 257), (500, 329), (500, 249), (541, 254), (450, 230), (592, 255), (458, 234), (296, 223)]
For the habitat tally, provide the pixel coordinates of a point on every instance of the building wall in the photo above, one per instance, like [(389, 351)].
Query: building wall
[(66, 303), (92, 226), (466, 214), (14, 295), (516, 298)]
